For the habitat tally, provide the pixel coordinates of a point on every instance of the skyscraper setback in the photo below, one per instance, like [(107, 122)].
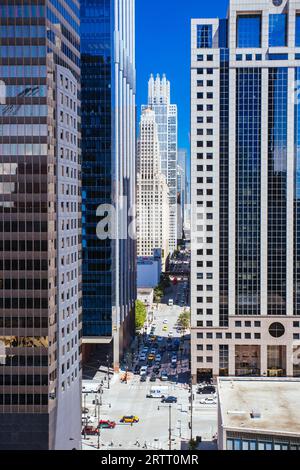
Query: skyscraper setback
[(108, 174), (40, 236), (244, 189), (166, 120)]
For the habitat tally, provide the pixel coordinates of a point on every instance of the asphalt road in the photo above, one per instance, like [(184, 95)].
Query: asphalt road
[(152, 430)]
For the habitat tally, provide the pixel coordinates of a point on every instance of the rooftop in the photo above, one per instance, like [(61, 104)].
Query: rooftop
[(261, 405)]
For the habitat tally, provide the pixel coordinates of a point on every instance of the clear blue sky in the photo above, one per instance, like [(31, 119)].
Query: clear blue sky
[(163, 46)]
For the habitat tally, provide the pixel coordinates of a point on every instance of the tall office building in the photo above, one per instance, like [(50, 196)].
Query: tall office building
[(245, 190), (181, 191), (40, 236), (108, 174), (152, 192), (166, 119)]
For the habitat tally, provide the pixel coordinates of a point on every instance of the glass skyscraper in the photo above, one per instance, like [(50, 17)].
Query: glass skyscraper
[(108, 174), (40, 236), (244, 190)]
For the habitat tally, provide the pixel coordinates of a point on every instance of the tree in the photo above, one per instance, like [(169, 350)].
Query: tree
[(184, 320), (158, 293), (140, 314)]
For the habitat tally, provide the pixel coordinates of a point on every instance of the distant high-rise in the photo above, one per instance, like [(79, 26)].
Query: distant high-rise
[(40, 236), (152, 192), (166, 120), (245, 141), (108, 174)]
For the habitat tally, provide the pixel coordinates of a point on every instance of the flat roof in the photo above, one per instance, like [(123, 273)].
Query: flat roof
[(276, 400)]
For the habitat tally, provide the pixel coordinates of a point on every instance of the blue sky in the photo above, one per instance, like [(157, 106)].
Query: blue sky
[(163, 46)]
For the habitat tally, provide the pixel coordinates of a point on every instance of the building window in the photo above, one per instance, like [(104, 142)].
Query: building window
[(249, 31), (276, 330), (278, 30), (297, 31), (204, 36)]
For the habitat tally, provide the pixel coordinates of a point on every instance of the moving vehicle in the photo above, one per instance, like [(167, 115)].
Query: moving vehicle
[(143, 378), (169, 399), (174, 359), (129, 419), (208, 389), (208, 401), (143, 370), (170, 334), (90, 431), (165, 321), (90, 387), (157, 358), (165, 328), (151, 357), (153, 378), (158, 391), (106, 424), (142, 357), (164, 376)]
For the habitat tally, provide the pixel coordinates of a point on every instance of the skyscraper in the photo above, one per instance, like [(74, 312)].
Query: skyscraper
[(244, 187), (108, 174), (40, 236), (181, 190), (152, 192), (166, 119)]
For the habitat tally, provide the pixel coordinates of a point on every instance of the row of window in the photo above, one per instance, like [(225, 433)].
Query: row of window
[(249, 31)]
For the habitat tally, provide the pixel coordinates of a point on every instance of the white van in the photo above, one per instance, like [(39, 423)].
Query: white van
[(171, 302), (158, 392), (90, 387)]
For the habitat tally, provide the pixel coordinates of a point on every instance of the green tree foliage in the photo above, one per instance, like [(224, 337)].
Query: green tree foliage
[(140, 314), (184, 320)]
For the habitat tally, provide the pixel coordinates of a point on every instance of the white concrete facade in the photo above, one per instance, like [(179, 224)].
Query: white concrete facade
[(211, 334), (68, 263), (152, 192), (166, 120)]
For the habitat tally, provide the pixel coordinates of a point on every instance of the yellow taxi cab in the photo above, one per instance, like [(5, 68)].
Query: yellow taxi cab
[(165, 328), (129, 419), (151, 357)]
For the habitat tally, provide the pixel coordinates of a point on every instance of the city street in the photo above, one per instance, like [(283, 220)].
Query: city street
[(152, 430)]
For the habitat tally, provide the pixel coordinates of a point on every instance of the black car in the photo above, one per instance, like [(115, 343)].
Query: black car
[(156, 369), (136, 370), (207, 390), (169, 400), (153, 378), (143, 378)]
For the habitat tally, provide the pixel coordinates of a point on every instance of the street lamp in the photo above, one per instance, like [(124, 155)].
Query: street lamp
[(170, 425), (108, 376)]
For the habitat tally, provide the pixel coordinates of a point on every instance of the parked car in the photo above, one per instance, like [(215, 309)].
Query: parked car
[(143, 378), (142, 357), (169, 399), (157, 358), (156, 369), (136, 369), (151, 357), (153, 378), (90, 431), (174, 360), (106, 424), (129, 419)]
